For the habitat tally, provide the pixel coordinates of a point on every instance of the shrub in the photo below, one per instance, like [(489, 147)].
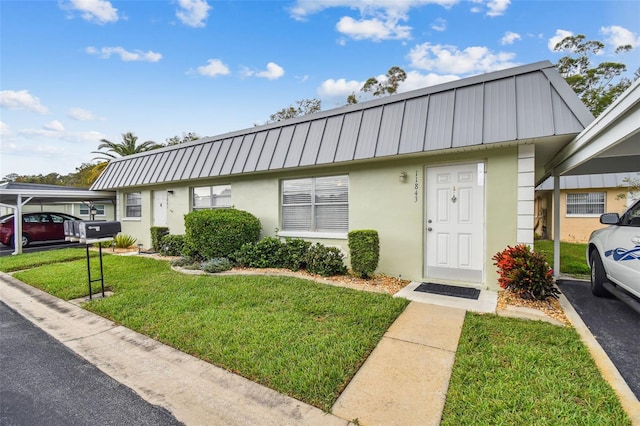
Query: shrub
[(124, 241), (525, 273), (218, 264), (269, 252), (296, 253), (219, 232), (185, 262), (157, 233), (325, 261), (364, 246), (172, 245)]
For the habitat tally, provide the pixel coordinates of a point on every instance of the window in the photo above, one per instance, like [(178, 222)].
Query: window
[(585, 204), (316, 204), (133, 204), (86, 211), (211, 197)]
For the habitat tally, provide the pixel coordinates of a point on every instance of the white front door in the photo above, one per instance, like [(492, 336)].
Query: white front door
[(159, 208), (455, 222)]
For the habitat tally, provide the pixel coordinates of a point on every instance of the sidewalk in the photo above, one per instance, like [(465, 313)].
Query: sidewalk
[(404, 380)]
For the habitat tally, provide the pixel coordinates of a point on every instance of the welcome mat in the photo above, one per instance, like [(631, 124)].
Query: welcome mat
[(449, 290)]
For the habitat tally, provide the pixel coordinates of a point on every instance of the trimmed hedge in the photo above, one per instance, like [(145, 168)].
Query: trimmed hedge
[(325, 261), (219, 232), (172, 245), (271, 252), (364, 246), (157, 233)]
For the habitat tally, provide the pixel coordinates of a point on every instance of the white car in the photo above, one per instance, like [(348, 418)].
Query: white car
[(614, 256)]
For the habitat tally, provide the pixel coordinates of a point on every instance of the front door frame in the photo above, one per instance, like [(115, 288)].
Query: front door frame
[(481, 168)]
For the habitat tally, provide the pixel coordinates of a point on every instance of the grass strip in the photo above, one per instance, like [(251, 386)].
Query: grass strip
[(30, 260), (572, 256), (519, 372), (298, 337)]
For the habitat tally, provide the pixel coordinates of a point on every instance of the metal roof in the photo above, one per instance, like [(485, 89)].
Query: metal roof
[(604, 180), (525, 104), (38, 193)]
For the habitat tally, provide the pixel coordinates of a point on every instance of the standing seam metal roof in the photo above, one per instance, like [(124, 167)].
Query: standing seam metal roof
[(518, 104)]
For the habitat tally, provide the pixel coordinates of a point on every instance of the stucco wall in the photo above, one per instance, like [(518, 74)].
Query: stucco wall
[(377, 200)]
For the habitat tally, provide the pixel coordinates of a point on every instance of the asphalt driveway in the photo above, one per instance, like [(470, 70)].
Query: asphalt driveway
[(615, 326)]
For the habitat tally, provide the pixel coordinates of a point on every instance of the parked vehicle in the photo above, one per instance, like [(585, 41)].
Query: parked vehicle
[(614, 256), (41, 226)]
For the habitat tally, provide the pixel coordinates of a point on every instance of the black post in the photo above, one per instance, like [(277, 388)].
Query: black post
[(101, 273), (89, 270)]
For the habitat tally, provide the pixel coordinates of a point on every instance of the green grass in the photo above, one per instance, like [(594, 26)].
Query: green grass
[(518, 372), (298, 337), (29, 260), (572, 256)]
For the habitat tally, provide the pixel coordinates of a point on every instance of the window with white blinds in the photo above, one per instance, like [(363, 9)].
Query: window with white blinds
[(133, 204), (316, 204), (211, 197), (585, 203)]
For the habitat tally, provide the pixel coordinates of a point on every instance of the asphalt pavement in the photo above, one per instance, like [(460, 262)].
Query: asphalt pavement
[(42, 382), (614, 325), (39, 246)]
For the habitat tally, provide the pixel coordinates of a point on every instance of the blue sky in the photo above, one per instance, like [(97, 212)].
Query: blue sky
[(75, 71)]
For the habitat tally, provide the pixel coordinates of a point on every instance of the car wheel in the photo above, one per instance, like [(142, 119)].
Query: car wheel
[(598, 276), (25, 241)]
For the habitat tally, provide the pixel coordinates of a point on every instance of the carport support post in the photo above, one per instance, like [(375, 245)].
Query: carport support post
[(556, 226)]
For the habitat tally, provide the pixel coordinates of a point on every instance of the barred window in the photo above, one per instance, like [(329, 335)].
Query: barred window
[(133, 204), (586, 203), (316, 204), (211, 197)]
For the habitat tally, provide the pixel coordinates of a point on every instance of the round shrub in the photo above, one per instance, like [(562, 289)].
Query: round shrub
[(172, 245), (325, 261), (269, 252), (296, 253), (219, 232), (364, 246), (525, 273)]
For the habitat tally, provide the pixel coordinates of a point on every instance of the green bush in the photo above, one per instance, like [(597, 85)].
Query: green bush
[(269, 252), (157, 233), (218, 264), (296, 253), (172, 245), (219, 232), (364, 246), (124, 241), (525, 273), (186, 263), (325, 261)]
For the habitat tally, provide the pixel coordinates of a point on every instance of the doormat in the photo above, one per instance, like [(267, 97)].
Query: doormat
[(449, 290)]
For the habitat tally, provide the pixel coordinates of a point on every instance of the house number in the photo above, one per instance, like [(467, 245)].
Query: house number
[(416, 188)]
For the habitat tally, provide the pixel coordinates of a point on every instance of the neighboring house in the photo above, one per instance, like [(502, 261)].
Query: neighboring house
[(445, 174), (583, 199)]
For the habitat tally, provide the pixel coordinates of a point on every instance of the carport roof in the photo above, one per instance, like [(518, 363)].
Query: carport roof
[(9, 192)]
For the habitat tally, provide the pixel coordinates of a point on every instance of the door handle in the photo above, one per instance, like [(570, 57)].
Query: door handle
[(636, 239), (429, 229)]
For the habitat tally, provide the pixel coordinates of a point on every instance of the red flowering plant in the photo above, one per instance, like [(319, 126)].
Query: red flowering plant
[(525, 273)]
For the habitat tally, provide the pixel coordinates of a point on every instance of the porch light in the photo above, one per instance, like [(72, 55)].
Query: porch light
[(403, 177)]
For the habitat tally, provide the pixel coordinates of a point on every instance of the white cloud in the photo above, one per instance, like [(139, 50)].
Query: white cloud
[(616, 36), (449, 60), (415, 80), (439, 25), (81, 114), (273, 72), (213, 68), (54, 126), (497, 7), (304, 8), (339, 88), (560, 35), (21, 99), (193, 13), (125, 55), (510, 37), (98, 11), (4, 129), (374, 29)]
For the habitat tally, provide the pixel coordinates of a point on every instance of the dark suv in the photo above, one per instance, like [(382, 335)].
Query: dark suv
[(41, 226)]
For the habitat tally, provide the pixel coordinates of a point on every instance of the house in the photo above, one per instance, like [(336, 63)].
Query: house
[(583, 198), (445, 174)]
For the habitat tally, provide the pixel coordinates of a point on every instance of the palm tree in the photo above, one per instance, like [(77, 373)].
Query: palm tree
[(126, 147)]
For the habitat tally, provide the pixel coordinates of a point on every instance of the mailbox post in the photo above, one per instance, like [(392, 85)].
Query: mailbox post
[(91, 232)]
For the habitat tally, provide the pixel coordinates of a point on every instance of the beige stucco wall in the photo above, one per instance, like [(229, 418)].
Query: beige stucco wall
[(575, 229), (377, 200)]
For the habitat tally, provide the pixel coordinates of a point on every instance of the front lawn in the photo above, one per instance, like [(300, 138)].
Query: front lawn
[(298, 337), (518, 372)]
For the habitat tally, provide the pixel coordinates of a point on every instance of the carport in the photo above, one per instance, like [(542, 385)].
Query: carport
[(611, 143), (15, 195)]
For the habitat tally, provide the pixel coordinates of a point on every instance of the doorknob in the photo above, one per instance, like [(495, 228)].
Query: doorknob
[(636, 240), (429, 229)]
